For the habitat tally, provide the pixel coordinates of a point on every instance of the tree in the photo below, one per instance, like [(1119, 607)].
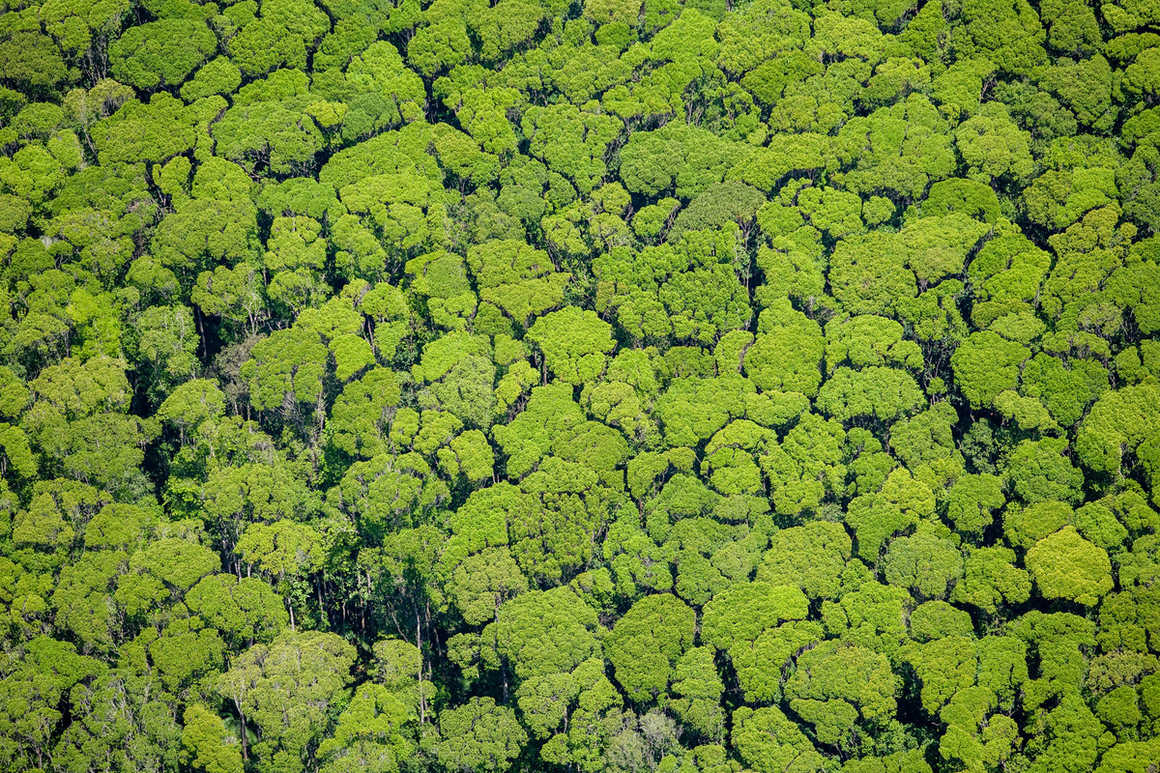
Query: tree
[(245, 610), (34, 686), (873, 616), (1071, 737), (927, 562), (646, 643), (388, 491), (901, 148), (719, 205), (567, 508), (693, 277), (153, 132), (1065, 565), (461, 374), (280, 35), (787, 352), (284, 689), (976, 735), (166, 347), (287, 552), (378, 92), (207, 743), (1117, 422), (517, 278), (972, 502), (811, 556), (478, 736), (371, 732), (768, 741), (1039, 471), (868, 274), (575, 343), (985, 365), (217, 76), (571, 142), (79, 422), (990, 579), (278, 132), (545, 632), (748, 621), (32, 58), (685, 159), (697, 690), (881, 393), (161, 53), (993, 147), (867, 339), (806, 466)]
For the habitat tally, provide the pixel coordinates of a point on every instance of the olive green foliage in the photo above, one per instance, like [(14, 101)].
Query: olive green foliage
[(722, 386)]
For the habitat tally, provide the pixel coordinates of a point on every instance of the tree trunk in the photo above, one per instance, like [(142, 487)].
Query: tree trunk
[(419, 645), (242, 733)]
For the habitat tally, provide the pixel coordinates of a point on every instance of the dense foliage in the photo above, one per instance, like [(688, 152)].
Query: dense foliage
[(408, 385)]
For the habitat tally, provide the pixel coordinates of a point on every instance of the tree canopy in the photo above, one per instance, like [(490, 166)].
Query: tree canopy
[(722, 386)]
